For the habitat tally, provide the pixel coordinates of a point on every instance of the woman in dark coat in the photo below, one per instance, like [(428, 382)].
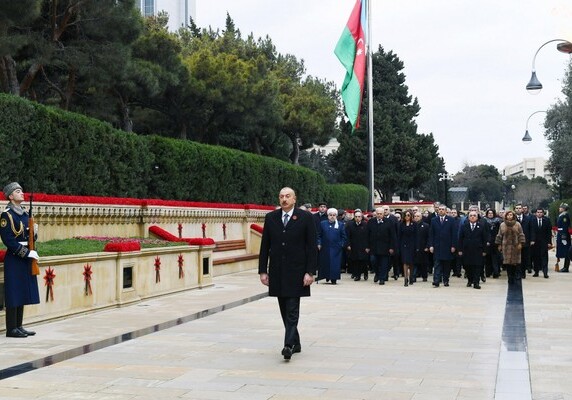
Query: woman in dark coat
[(563, 237), (509, 241), (331, 243), (407, 235)]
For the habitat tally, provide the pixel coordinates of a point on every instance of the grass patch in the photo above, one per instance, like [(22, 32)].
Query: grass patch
[(85, 245)]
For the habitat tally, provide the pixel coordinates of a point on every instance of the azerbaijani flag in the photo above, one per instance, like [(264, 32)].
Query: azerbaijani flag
[(350, 50)]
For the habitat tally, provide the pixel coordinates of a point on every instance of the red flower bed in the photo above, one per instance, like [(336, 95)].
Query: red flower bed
[(163, 234), (127, 201), (2, 255), (256, 227), (199, 241), (122, 246)]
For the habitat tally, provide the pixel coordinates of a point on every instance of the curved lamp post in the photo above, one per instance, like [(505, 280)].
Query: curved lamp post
[(534, 86), (527, 138)]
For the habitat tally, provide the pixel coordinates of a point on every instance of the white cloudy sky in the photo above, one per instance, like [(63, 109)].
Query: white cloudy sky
[(467, 62)]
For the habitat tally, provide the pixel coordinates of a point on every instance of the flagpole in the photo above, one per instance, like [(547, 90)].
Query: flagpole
[(371, 185)]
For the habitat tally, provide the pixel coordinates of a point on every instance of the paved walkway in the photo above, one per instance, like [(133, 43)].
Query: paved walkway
[(359, 341)]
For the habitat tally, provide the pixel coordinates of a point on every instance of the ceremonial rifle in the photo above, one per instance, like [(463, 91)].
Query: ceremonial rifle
[(31, 234)]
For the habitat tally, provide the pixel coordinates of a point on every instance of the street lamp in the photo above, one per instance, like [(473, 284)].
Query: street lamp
[(527, 138), (534, 86), (444, 177)]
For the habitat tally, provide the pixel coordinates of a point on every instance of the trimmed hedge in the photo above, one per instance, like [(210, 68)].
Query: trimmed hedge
[(53, 151)]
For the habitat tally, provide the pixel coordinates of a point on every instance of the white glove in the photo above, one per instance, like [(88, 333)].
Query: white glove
[(564, 242), (36, 229), (34, 254)]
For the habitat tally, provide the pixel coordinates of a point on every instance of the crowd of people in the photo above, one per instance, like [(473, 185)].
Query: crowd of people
[(414, 244)]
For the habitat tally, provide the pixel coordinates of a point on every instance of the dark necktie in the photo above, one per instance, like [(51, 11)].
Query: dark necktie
[(539, 223), (472, 227), (285, 219)]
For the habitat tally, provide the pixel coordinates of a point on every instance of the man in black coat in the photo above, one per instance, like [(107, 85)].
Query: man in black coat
[(542, 242), (525, 220), (382, 241), (289, 240), (473, 239), (357, 234), (421, 258), (320, 215)]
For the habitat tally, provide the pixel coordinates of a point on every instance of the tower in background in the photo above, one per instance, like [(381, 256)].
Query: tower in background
[(179, 11)]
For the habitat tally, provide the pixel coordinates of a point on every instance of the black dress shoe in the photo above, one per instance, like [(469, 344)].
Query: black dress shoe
[(27, 332), (287, 352), (357, 278), (382, 282), (297, 348), (446, 284), (564, 270), (535, 274), (333, 281), (365, 276), (545, 276), (477, 286), (16, 333), (469, 284), (435, 284), (375, 278)]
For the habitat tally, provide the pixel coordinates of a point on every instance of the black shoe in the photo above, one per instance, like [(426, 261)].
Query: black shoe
[(535, 274), (333, 281), (287, 352), (446, 284), (382, 282), (483, 278), (327, 280), (424, 279), (395, 277), (435, 284), (357, 278), (365, 276), (27, 332), (375, 278), (564, 270), (545, 276), (297, 348), (477, 286), (496, 276), (406, 282), (16, 333), (529, 271), (469, 284)]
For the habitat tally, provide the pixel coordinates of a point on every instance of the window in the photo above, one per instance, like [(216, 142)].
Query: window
[(148, 8)]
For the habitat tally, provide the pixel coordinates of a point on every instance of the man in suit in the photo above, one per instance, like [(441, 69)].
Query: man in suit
[(421, 259), (473, 238), (526, 222), (320, 215), (382, 241), (357, 234), (542, 242), (442, 244), (289, 240)]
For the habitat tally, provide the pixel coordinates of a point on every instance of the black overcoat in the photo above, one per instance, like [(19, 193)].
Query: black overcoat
[(292, 251), (473, 243), (20, 286), (422, 243), (382, 236), (358, 240)]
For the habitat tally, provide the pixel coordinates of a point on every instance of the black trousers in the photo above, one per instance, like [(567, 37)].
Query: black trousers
[(290, 312), (540, 260), (14, 317), (358, 267)]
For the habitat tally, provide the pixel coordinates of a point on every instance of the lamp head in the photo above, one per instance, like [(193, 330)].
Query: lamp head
[(526, 138), (564, 47), (534, 86)]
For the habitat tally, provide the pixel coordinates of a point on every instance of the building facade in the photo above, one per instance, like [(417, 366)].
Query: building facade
[(179, 11), (531, 168)]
